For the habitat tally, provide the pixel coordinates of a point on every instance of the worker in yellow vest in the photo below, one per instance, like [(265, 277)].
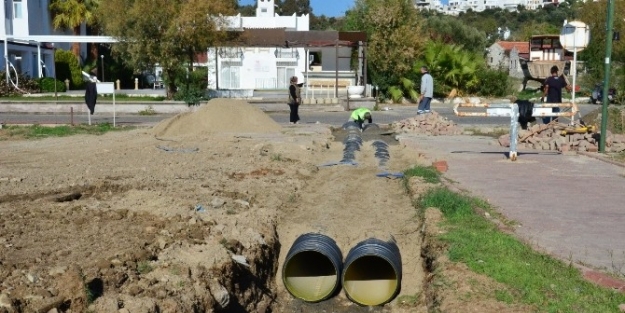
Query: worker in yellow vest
[(360, 115)]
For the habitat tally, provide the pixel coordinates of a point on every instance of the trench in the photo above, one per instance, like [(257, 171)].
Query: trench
[(378, 142), (253, 288)]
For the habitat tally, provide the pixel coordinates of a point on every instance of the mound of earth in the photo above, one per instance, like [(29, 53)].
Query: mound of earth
[(218, 116)]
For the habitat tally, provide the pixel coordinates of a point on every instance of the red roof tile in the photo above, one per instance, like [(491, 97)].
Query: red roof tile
[(521, 46)]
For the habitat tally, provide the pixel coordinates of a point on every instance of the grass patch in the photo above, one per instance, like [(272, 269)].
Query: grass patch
[(144, 267), (38, 131), (277, 157), (528, 94), (533, 278), (428, 173), (619, 157), (148, 111)]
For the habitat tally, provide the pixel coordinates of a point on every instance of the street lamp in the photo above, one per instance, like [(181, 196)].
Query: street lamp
[(102, 64)]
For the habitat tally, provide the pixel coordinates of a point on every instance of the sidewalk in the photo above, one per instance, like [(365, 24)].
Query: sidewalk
[(571, 206)]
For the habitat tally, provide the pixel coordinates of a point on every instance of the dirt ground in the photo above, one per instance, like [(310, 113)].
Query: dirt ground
[(195, 215)]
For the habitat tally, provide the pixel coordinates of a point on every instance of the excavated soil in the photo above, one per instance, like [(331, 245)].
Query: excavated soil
[(194, 215)]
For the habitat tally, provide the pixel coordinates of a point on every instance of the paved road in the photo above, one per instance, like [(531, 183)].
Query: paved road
[(332, 118)]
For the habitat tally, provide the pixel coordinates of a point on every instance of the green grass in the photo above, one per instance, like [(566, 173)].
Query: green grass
[(38, 131), (144, 267), (528, 94), (533, 278), (428, 173)]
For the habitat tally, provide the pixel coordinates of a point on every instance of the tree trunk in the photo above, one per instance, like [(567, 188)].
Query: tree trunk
[(93, 48), (170, 76), (76, 45)]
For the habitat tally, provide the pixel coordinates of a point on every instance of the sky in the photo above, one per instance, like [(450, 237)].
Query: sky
[(321, 7)]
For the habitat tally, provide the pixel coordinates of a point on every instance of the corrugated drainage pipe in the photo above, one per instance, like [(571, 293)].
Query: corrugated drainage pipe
[(312, 267), (372, 272)]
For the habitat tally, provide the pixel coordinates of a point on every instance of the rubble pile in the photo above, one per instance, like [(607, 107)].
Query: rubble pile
[(560, 137), (429, 124)]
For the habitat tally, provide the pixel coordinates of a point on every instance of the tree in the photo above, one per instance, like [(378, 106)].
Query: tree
[(171, 36), (452, 66), (594, 15), (394, 36), (450, 30), (290, 7), (71, 14)]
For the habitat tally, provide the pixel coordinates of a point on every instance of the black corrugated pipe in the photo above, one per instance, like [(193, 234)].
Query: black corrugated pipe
[(312, 267), (372, 272)]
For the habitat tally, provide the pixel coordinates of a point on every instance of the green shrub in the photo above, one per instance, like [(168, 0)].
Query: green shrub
[(68, 67), (25, 84), (493, 83), (193, 86), (46, 84)]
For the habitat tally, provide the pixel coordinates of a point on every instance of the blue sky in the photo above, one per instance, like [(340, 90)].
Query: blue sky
[(321, 7)]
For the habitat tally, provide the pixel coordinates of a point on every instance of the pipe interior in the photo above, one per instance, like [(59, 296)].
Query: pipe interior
[(310, 276), (370, 280)]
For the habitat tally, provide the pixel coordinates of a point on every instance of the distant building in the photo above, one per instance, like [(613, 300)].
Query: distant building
[(508, 55), (24, 18), (455, 7), (249, 68)]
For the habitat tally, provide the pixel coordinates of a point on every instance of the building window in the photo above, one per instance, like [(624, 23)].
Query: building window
[(230, 75), (17, 8)]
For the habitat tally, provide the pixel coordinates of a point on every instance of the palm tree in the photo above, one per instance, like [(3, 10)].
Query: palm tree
[(454, 68), (71, 14)]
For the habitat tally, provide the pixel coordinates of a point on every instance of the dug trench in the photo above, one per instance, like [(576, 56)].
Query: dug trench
[(113, 223)]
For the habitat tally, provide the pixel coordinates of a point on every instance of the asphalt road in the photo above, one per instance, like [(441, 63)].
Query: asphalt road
[(331, 118)]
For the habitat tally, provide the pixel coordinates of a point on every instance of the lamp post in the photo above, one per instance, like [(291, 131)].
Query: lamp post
[(606, 80), (56, 95), (102, 64)]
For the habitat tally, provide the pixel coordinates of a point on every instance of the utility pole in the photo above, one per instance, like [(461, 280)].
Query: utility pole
[(606, 79)]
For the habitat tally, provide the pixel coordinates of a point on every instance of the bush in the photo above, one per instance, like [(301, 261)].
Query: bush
[(26, 85), (191, 96), (493, 83), (193, 86), (67, 67), (46, 84)]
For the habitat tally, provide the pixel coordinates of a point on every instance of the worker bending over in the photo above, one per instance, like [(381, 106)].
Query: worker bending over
[(360, 115)]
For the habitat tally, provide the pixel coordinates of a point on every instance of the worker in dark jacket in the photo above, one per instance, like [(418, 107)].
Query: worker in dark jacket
[(360, 115), (295, 99)]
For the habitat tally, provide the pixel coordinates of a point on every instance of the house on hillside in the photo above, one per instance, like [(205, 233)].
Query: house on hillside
[(23, 18), (277, 53), (508, 55)]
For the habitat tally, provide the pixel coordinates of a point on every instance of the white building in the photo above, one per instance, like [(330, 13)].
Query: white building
[(270, 67), (455, 7), (31, 39), (23, 18)]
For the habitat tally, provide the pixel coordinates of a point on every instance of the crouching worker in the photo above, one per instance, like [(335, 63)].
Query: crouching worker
[(360, 115)]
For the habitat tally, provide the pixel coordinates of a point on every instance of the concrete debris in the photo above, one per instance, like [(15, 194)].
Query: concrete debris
[(429, 124), (554, 137)]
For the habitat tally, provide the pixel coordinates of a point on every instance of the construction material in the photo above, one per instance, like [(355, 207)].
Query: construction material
[(312, 267), (372, 272)]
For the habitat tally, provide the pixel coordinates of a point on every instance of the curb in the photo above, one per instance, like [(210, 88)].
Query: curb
[(602, 279), (600, 157)]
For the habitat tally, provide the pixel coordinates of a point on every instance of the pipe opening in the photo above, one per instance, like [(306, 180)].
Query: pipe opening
[(370, 280), (310, 276)]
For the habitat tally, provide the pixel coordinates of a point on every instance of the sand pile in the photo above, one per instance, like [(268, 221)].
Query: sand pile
[(218, 116)]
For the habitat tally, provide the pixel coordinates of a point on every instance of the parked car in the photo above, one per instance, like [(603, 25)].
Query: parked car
[(597, 94)]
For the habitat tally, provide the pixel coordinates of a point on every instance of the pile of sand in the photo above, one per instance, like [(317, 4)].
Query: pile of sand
[(218, 116)]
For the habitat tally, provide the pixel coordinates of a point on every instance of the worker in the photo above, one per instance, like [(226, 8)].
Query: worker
[(360, 115)]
